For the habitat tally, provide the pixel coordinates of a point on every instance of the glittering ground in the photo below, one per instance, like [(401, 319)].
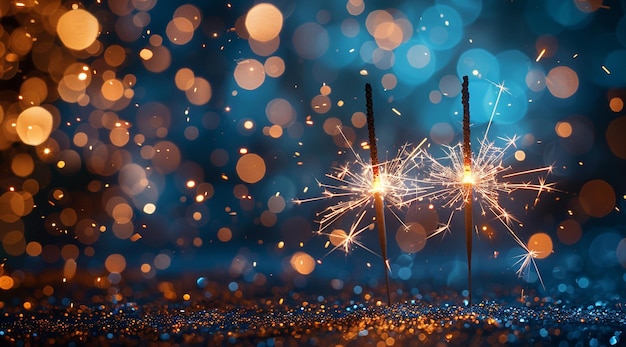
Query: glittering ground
[(326, 323)]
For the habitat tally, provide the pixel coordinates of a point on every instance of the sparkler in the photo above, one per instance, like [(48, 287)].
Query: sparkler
[(378, 197), (358, 185), (481, 178), (467, 180)]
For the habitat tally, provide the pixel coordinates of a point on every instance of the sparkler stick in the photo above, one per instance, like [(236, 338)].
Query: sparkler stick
[(378, 197), (468, 182)]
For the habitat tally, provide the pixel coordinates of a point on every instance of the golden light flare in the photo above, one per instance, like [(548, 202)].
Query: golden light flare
[(562, 82), (540, 245), (200, 91), (563, 129), (249, 74), (184, 79), (616, 104), (250, 168), (115, 263), (34, 125), (224, 234), (264, 22), (302, 262), (78, 29)]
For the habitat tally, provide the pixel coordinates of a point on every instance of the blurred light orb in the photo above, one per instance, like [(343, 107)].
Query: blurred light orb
[(569, 232), (541, 245), (200, 92), (603, 248), (418, 56), (78, 29), (411, 238), (563, 129), (479, 63), (251, 168), (34, 125), (441, 27), (562, 82), (264, 22), (115, 263), (616, 104), (249, 74), (621, 252), (442, 133), (597, 198), (310, 40), (337, 237), (274, 66), (615, 137), (303, 263)]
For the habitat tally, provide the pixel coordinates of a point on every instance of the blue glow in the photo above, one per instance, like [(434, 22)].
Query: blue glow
[(514, 66), (342, 51), (510, 106), (540, 22), (602, 250), (478, 63), (441, 27), (565, 12), (415, 63), (468, 9), (620, 31), (614, 64), (583, 282), (404, 273)]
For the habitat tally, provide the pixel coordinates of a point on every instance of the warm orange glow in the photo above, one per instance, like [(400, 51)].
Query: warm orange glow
[(78, 29)]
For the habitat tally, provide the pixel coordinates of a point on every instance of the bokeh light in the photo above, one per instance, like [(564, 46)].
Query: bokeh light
[(78, 29)]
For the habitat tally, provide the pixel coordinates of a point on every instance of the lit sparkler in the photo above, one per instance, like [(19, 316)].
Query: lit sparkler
[(360, 185), (460, 179), (468, 182)]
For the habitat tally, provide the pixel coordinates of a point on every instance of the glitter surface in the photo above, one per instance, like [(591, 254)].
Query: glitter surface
[(320, 324)]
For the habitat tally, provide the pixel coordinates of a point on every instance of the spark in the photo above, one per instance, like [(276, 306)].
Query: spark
[(543, 51), (352, 188), (489, 180), (608, 72), (526, 261)]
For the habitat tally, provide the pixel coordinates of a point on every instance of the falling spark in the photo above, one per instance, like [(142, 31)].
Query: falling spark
[(543, 51), (606, 70), (396, 111)]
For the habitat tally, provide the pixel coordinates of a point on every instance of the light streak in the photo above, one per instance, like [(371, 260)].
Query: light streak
[(543, 51)]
